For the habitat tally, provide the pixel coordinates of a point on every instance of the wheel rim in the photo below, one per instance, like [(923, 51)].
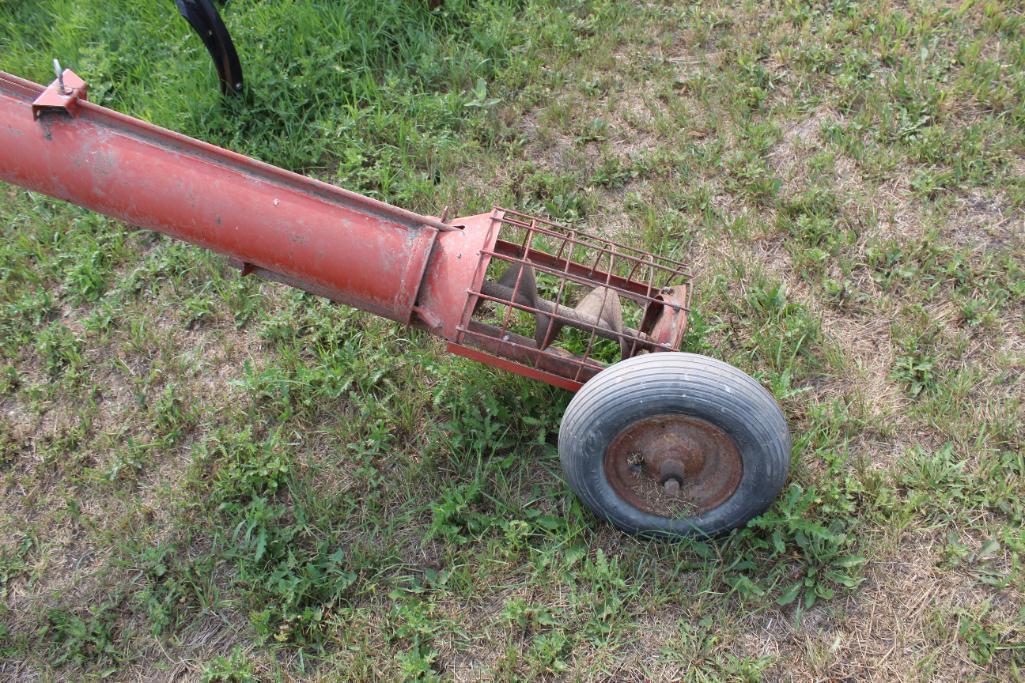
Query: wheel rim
[(673, 465)]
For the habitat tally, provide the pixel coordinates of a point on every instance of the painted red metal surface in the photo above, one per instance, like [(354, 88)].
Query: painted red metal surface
[(454, 271), (519, 367), (472, 280), (63, 94), (336, 243)]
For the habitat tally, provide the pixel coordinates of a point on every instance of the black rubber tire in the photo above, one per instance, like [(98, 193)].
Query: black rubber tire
[(675, 383)]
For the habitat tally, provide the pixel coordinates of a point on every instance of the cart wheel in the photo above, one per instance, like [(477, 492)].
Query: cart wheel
[(674, 444)]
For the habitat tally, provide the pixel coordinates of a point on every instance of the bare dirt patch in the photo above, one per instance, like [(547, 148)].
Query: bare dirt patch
[(789, 158), (891, 627), (984, 219)]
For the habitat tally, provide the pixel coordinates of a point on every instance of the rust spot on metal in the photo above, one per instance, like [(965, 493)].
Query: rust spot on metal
[(673, 465)]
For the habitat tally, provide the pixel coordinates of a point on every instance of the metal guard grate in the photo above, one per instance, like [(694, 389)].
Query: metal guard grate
[(570, 303)]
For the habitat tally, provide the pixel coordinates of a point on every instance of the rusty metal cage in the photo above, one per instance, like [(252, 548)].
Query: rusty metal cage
[(568, 303)]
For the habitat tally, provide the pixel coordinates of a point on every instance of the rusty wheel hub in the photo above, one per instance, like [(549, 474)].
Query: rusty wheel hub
[(673, 465)]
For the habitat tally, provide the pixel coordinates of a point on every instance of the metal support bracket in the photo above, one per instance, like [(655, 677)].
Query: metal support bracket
[(62, 95)]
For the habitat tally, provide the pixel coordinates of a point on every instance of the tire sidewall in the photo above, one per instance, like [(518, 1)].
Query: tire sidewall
[(759, 483)]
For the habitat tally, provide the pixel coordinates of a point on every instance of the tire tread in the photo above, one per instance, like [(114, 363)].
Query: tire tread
[(658, 379)]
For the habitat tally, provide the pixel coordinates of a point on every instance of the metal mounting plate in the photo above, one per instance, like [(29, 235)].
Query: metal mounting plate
[(61, 95)]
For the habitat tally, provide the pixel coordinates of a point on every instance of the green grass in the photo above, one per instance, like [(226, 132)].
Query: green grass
[(216, 476)]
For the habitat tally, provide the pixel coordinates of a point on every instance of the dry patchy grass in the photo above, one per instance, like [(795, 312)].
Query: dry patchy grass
[(232, 479)]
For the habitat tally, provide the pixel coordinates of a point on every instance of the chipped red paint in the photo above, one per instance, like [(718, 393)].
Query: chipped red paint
[(455, 269), (62, 95), (417, 270), (698, 459), (342, 245), (513, 366)]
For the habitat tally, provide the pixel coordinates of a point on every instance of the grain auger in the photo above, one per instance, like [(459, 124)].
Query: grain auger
[(655, 440)]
